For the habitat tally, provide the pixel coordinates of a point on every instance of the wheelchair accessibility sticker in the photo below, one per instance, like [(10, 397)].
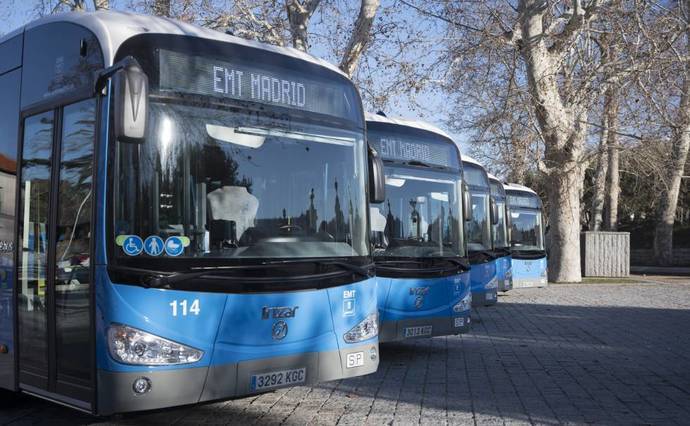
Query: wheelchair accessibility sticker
[(153, 245), (131, 245)]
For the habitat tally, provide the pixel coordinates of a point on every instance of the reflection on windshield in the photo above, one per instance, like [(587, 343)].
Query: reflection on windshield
[(420, 215), (500, 230), (478, 232), (526, 230), (235, 185)]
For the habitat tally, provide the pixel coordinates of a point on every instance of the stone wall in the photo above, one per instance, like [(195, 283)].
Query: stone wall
[(605, 254), (645, 257)]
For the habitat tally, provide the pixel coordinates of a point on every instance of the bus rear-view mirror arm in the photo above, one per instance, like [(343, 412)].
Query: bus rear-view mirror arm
[(130, 89), (466, 203), (494, 211), (377, 180)]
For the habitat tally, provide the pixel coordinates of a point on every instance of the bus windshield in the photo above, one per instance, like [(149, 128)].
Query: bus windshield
[(526, 229), (500, 230), (231, 184), (478, 231), (420, 216)]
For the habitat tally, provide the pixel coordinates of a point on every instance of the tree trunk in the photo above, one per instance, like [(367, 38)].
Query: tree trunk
[(101, 4), (599, 190), (360, 37), (299, 14), (613, 189), (663, 234), (563, 190), (564, 132), (517, 163)]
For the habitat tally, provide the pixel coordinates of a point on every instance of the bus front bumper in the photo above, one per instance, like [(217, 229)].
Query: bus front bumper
[(405, 329), (170, 388), (484, 298)]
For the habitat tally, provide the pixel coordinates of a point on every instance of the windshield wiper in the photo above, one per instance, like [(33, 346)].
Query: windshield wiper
[(486, 253), (426, 265), (159, 279)]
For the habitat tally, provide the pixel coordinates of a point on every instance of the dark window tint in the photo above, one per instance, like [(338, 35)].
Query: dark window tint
[(33, 239), (59, 60), (9, 123), (72, 238)]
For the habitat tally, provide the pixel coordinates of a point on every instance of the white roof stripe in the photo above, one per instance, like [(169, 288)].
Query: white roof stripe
[(409, 123), (518, 187), (469, 159), (112, 28)]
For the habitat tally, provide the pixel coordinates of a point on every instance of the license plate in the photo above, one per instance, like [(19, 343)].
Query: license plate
[(355, 359), (459, 322), (276, 379), (423, 330)]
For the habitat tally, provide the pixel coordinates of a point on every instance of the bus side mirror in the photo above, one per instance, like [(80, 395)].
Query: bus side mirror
[(466, 203), (494, 211), (377, 180), (130, 103)]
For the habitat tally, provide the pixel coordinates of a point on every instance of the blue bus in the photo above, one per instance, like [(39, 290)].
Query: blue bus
[(191, 220), (422, 267), (483, 278), (500, 233), (527, 237)]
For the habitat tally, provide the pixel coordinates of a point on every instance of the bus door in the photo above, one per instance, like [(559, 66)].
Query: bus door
[(54, 277)]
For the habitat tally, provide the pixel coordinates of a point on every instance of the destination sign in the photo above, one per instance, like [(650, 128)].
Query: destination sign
[(527, 201), (475, 175), (255, 82), (396, 147)]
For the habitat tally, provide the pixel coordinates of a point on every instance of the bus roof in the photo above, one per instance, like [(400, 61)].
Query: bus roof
[(468, 159), (518, 187), (409, 123), (112, 28), (492, 177)]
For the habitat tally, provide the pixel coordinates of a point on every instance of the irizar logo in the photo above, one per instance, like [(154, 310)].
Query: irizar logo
[(279, 330), (419, 293), (278, 312)]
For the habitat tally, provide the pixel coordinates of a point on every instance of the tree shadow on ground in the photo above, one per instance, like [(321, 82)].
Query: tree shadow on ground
[(521, 362), (547, 363)]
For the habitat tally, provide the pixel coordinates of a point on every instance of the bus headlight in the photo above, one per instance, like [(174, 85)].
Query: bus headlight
[(368, 328), (132, 346), (463, 305), (491, 284)]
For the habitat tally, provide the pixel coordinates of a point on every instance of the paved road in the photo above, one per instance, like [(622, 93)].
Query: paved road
[(565, 354)]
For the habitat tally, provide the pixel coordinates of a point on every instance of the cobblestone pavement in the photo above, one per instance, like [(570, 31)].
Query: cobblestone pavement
[(614, 353)]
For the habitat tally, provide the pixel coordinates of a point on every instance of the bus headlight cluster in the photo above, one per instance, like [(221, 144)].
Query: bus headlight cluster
[(492, 284), (132, 346), (365, 330), (465, 304)]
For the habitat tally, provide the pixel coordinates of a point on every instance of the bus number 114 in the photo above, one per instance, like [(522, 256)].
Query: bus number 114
[(182, 308)]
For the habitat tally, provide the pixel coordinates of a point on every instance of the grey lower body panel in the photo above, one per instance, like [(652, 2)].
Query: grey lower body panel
[(529, 282), (505, 285), (487, 298), (193, 385), (393, 331)]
